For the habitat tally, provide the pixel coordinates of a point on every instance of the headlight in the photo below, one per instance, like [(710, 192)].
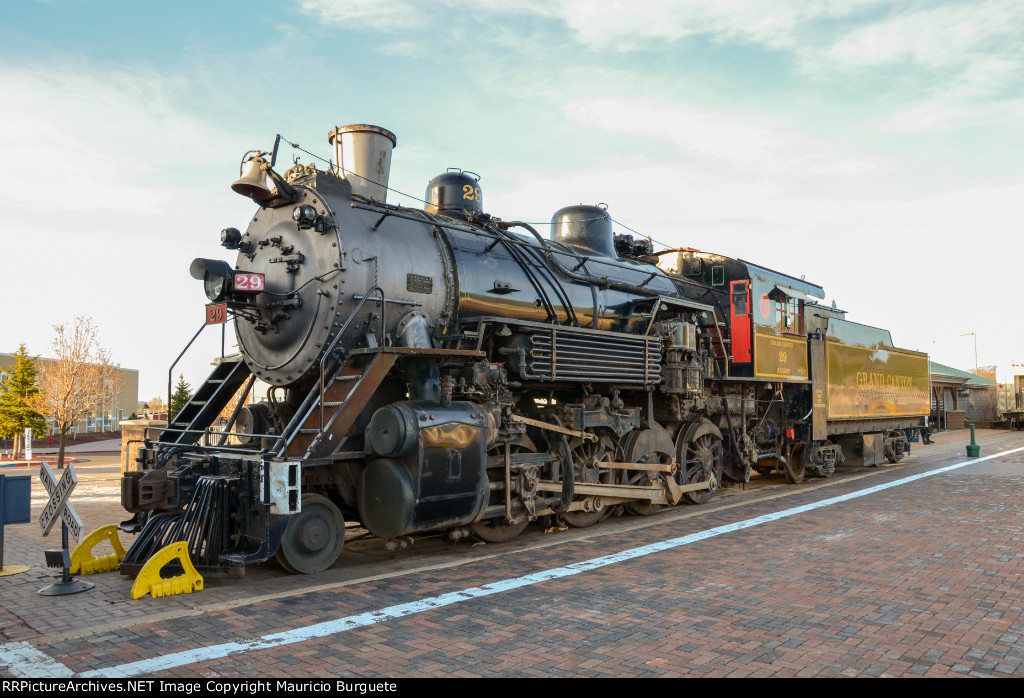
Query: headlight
[(216, 276), (230, 238), (304, 215)]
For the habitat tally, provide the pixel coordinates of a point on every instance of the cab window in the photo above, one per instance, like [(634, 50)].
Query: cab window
[(718, 275), (739, 299), (790, 315)]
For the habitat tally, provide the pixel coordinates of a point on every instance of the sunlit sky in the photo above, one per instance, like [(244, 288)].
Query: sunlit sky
[(874, 147)]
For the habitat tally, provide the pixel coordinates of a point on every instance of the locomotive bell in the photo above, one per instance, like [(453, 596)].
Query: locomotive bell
[(253, 180), (586, 227), (454, 192)]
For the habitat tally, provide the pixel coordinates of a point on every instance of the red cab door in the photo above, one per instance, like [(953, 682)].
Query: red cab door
[(739, 295)]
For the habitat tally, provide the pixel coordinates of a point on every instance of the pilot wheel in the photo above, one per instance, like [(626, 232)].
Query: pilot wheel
[(313, 538)]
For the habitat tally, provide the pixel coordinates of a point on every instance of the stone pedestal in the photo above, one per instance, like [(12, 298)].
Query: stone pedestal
[(133, 431)]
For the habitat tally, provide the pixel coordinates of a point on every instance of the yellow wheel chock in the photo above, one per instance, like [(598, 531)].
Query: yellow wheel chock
[(82, 560), (149, 580)]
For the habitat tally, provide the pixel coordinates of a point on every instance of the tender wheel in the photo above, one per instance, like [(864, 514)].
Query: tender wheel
[(587, 455), (314, 537), (895, 443), (699, 456), (796, 467)]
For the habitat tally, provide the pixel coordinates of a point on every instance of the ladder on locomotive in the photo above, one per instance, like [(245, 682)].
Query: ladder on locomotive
[(326, 414), (321, 424), (195, 418), (347, 382), (331, 407)]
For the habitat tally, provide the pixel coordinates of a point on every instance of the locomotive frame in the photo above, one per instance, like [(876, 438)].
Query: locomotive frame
[(435, 370)]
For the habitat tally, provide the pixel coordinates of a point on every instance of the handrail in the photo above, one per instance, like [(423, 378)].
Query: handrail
[(170, 371), (304, 411), (721, 342), (341, 332)]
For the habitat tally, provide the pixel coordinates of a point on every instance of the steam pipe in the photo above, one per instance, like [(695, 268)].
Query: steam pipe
[(602, 281)]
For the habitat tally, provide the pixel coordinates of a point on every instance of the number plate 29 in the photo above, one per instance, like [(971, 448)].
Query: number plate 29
[(216, 314), (249, 282)]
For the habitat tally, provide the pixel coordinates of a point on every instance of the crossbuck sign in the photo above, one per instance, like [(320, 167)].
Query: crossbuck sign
[(59, 506)]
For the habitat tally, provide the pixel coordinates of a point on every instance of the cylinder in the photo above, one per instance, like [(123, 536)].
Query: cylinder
[(363, 154)]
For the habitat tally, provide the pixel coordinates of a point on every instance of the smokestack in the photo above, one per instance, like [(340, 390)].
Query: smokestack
[(363, 154)]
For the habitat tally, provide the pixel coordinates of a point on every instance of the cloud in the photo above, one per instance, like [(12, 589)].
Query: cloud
[(112, 186), (611, 23), (627, 25), (944, 36), (757, 145), (942, 63), (94, 137), (391, 16)]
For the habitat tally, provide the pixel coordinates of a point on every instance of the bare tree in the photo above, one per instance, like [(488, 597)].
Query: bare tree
[(78, 378), (156, 406)]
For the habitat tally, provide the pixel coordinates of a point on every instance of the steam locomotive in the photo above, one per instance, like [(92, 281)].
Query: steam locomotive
[(440, 369)]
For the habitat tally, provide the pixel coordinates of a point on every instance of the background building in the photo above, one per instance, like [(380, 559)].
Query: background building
[(115, 407), (959, 397)]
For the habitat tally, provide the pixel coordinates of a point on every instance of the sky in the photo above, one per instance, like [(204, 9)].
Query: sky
[(872, 146)]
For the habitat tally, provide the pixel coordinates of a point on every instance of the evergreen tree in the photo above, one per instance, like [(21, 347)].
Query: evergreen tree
[(19, 396), (182, 394)]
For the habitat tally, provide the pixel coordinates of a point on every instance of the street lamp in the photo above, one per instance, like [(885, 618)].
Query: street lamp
[(973, 334)]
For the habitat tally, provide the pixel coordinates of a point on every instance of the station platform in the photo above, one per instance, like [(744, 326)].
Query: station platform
[(909, 570)]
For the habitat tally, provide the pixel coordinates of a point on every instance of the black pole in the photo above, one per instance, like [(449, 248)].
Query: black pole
[(66, 554)]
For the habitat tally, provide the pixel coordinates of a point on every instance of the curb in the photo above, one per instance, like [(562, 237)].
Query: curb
[(36, 463)]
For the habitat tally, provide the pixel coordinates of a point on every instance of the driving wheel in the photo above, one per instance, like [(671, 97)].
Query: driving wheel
[(586, 456), (699, 457)]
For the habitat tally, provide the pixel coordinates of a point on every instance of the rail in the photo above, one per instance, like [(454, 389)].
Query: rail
[(170, 371)]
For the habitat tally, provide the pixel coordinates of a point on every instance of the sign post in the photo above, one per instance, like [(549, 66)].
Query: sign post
[(28, 443), (59, 507)]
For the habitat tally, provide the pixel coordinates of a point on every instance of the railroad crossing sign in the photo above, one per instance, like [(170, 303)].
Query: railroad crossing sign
[(59, 506)]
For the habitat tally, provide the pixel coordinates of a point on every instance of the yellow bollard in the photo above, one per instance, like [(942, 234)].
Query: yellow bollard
[(82, 560), (150, 582)]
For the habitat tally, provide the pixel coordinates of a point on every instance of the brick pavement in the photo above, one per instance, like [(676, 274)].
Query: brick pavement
[(922, 579)]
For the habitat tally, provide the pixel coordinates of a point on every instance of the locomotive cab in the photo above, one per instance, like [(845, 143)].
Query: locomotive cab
[(763, 311)]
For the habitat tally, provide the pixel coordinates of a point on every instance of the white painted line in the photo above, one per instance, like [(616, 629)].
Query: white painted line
[(26, 662), (340, 625)]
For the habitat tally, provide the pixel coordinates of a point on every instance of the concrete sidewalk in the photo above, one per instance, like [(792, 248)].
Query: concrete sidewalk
[(71, 451)]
